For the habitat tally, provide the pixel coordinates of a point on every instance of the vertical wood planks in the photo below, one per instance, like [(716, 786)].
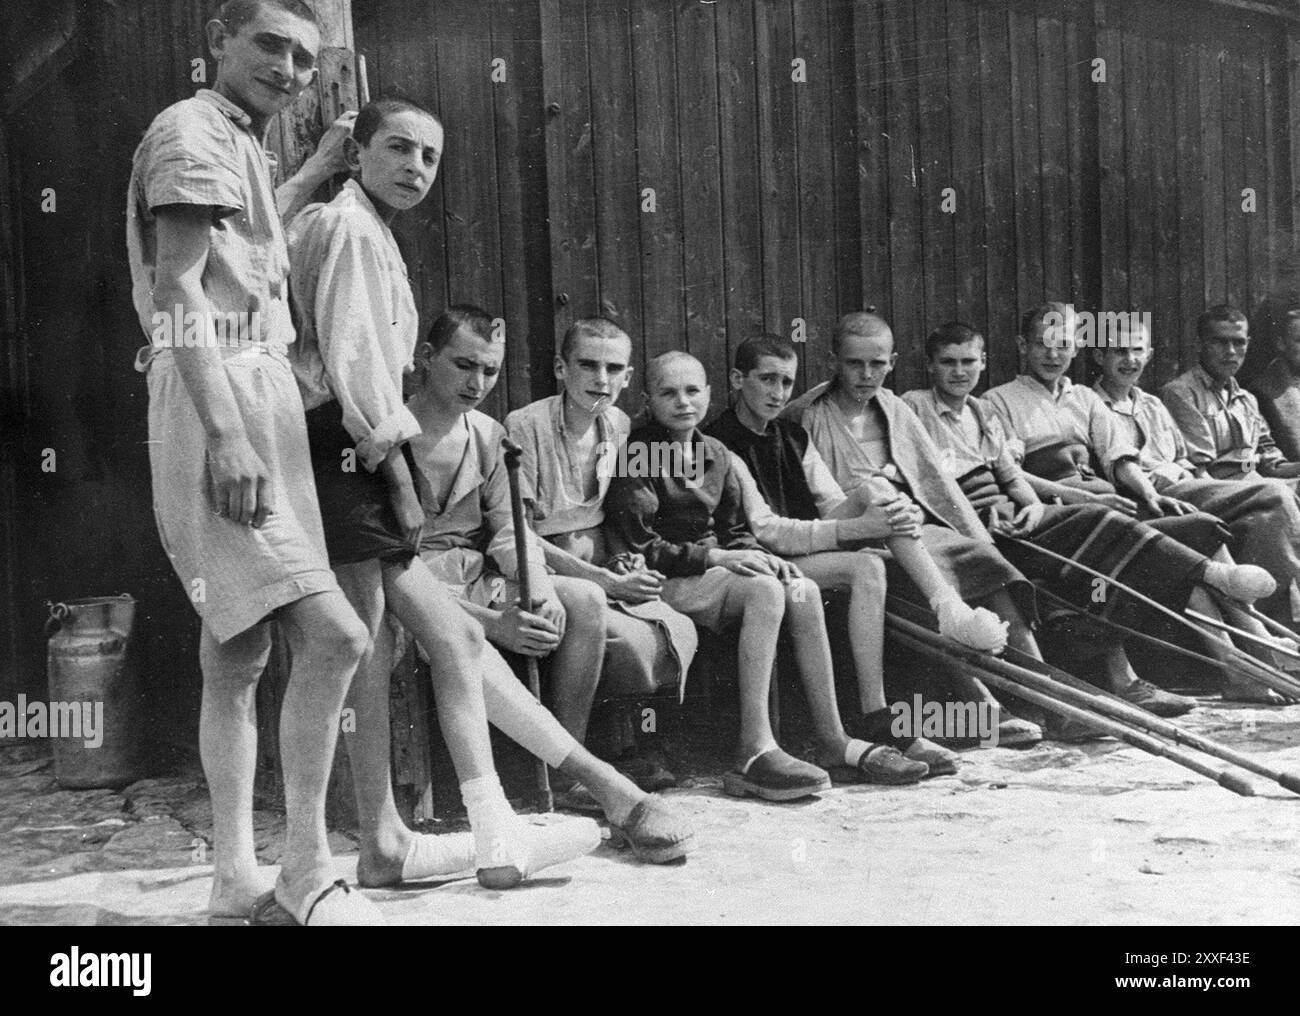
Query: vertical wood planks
[(1191, 221), (521, 157), (742, 240), (999, 195), (905, 238), (873, 154), (778, 209), (1113, 194), (701, 186), (471, 220), (970, 252), (617, 196), (935, 159), (815, 197), (654, 71), (569, 171)]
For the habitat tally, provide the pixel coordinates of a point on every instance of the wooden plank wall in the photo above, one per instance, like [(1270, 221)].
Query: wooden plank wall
[(777, 199)]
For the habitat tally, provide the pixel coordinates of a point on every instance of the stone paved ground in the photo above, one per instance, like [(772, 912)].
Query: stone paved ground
[(1095, 833)]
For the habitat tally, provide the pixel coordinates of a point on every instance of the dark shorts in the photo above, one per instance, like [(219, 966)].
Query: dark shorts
[(360, 524)]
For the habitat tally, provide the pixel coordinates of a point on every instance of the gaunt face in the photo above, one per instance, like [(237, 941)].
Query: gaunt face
[(679, 396), (762, 393), (1223, 350), (955, 369), (399, 165), (463, 372), (267, 63), (863, 363), (596, 371)]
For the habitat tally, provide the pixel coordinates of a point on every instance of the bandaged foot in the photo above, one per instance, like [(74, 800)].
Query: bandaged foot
[(507, 850), (971, 626), (428, 856), (1244, 582)]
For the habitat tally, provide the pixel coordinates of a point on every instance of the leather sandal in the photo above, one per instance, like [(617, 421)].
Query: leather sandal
[(775, 776), (655, 834)]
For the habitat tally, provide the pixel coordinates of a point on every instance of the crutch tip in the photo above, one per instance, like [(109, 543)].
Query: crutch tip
[(1290, 781), (1237, 784)]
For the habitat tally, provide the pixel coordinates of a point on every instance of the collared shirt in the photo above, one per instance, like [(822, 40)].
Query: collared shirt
[(1035, 418), (358, 320), (1278, 392), (959, 454), (1144, 420), (1226, 434), (673, 516), (475, 519), (202, 151), (551, 479)]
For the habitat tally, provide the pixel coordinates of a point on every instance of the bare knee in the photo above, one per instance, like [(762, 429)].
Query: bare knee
[(764, 596), (460, 644), (868, 576), (237, 661), (803, 597), (584, 605), (344, 640)]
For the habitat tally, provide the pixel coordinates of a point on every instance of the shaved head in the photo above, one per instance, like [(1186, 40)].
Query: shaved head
[(674, 357), (865, 323)]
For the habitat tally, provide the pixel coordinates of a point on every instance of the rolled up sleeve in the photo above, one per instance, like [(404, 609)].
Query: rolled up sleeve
[(349, 307)]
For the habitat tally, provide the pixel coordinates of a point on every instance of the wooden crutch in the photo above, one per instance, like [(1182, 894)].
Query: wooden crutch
[(542, 791)]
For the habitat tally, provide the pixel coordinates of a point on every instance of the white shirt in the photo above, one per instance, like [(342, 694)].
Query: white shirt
[(358, 323)]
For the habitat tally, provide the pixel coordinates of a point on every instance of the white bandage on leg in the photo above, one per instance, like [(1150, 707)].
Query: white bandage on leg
[(971, 626), (506, 850), (1244, 582)]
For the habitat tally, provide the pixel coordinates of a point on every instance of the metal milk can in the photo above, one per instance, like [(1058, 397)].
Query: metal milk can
[(94, 692)]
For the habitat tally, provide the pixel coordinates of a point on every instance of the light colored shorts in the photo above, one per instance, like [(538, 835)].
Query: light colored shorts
[(710, 600), (236, 575)]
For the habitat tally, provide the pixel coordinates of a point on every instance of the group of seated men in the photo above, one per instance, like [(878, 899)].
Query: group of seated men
[(740, 520)]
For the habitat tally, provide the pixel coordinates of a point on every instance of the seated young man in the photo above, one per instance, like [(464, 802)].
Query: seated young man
[(468, 526), (975, 451), (796, 509), (568, 443), (1227, 436), (864, 431), (675, 500), (1263, 515), (1071, 448), (1278, 387)]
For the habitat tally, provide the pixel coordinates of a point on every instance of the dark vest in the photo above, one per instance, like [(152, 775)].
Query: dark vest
[(775, 459)]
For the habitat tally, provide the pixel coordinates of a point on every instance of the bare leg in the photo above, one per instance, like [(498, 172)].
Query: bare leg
[(228, 748), (386, 843), (454, 644), (863, 575), (327, 641), (806, 622), (761, 603), (575, 666)]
